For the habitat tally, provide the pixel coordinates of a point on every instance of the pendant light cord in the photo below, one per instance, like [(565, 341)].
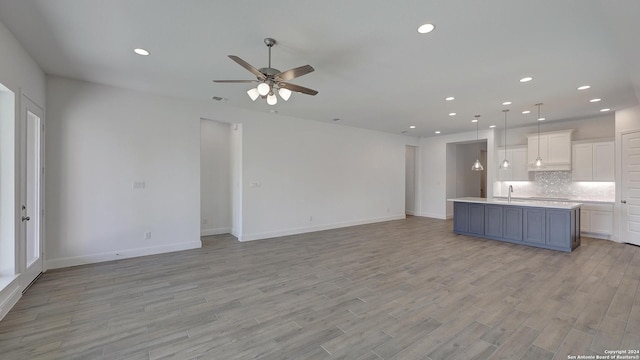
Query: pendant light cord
[(538, 120), (505, 132)]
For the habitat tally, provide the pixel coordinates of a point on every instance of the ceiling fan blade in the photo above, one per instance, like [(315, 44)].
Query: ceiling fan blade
[(294, 73), (235, 81), (297, 88), (248, 66)]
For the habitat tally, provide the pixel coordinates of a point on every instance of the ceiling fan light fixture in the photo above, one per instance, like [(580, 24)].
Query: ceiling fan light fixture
[(284, 93), (253, 94), (272, 99), (263, 89)]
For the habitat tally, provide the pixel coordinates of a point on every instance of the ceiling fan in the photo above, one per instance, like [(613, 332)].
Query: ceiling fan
[(272, 80)]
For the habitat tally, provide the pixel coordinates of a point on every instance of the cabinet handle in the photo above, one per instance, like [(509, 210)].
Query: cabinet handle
[(623, 201)]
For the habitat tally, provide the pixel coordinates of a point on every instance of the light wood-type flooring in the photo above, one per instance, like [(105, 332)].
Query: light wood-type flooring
[(406, 289)]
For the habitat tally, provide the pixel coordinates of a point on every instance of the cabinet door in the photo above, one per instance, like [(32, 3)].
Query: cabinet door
[(559, 228), (559, 148), (603, 161), (493, 220), (533, 225), (601, 222), (504, 174), (582, 167), (532, 148), (519, 164), (476, 219), (585, 220), (460, 217), (512, 223)]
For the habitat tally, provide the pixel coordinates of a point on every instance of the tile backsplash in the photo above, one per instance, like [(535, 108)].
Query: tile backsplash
[(558, 184)]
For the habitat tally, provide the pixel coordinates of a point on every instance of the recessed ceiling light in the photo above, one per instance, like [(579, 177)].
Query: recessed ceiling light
[(527, 112), (437, 131), (584, 87), (449, 98), (526, 79), (412, 127), (605, 109), (426, 28), (542, 119), (452, 114), (595, 100), (506, 103), (474, 120), (141, 51), (491, 126)]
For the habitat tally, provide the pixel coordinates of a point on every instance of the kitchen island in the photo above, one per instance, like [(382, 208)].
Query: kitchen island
[(551, 225)]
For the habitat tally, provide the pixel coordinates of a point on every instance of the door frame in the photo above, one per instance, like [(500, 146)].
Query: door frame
[(27, 104), (619, 222)]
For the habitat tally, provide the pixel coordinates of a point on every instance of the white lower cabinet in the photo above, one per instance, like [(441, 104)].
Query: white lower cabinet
[(596, 220)]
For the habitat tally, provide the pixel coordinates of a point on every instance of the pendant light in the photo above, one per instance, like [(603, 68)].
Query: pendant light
[(477, 166), (504, 165), (537, 164)]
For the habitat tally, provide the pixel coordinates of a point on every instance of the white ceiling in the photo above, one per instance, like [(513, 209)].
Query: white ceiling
[(373, 69)]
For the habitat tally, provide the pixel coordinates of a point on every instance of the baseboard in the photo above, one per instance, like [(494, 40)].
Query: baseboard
[(409, 212), (121, 254), (302, 230), (9, 296), (596, 236), (434, 216), (216, 231)]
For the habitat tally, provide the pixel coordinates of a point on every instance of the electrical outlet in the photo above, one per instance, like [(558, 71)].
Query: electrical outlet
[(147, 235), (205, 221), (139, 184), (310, 218)]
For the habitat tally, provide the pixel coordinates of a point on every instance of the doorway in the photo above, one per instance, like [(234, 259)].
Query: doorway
[(410, 179), (215, 178), (30, 248)]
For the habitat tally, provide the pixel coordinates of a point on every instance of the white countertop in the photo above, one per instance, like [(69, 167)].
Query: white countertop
[(499, 197), (520, 202)]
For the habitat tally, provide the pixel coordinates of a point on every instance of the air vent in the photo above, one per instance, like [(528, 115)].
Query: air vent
[(218, 98)]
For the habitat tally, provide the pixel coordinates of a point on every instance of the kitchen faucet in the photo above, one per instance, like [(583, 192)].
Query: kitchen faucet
[(509, 193)]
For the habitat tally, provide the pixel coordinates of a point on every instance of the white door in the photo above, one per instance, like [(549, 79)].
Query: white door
[(31, 170), (630, 192)]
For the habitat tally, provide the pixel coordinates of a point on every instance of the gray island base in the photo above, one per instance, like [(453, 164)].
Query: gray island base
[(544, 224)]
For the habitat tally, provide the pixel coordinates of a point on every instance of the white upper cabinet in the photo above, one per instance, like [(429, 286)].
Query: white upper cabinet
[(555, 150), (593, 161), (518, 171)]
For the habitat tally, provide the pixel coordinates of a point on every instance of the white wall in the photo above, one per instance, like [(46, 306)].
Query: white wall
[(100, 140), (438, 171), (21, 75), (215, 177), (309, 175)]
